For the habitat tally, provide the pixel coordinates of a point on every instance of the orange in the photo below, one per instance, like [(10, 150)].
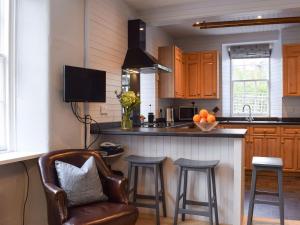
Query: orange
[(196, 118), (203, 120), (203, 113), (211, 118)]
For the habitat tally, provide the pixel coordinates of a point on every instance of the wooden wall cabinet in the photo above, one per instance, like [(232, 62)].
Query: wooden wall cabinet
[(195, 75), (291, 70), (209, 78), (171, 85), (202, 75), (192, 75)]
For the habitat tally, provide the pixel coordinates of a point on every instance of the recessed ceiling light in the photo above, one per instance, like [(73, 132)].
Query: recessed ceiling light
[(259, 17), (197, 23), (141, 28)]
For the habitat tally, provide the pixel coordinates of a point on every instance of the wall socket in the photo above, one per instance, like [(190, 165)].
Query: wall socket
[(103, 110)]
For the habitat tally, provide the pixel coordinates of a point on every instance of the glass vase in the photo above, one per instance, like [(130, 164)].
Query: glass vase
[(126, 122)]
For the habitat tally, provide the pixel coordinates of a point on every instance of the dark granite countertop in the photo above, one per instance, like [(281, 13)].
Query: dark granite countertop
[(256, 121), (180, 132)]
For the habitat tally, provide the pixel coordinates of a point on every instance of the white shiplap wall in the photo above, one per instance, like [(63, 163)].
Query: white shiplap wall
[(106, 46)]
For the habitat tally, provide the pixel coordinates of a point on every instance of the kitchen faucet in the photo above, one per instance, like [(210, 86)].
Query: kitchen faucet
[(250, 118)]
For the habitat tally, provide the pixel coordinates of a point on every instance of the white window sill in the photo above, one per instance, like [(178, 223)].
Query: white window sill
[(12, 157)]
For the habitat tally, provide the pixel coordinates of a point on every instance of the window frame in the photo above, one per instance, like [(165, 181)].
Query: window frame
[(9, 80), (231, 92)]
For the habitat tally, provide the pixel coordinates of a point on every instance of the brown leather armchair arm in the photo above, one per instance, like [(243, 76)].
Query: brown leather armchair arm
[(58, 200), (115, 188)]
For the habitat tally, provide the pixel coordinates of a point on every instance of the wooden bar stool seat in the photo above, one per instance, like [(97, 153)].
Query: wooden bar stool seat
[(156, 163), (207, 167), (266, 164)]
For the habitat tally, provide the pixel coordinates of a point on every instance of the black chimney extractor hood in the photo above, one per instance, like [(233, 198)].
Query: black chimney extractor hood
[(137, 60)]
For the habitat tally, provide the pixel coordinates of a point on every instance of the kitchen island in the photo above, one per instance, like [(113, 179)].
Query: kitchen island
[(226, 145)]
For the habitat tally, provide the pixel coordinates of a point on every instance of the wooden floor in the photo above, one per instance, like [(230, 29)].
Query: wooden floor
[(150, 220), (292, 205)]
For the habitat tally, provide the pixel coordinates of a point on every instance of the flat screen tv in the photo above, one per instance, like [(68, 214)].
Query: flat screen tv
[(84, 85)]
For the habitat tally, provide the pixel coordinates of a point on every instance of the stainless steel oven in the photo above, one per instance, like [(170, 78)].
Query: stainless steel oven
[(186, 113)]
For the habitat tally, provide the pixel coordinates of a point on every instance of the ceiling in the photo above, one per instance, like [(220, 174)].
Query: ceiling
[(185, 29), (141, 5), (177, 16)]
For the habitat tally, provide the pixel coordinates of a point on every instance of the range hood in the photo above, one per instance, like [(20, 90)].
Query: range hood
[(137, 60)]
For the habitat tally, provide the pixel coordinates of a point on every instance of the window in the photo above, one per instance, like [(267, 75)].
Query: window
[(6, 88), (250, 84)]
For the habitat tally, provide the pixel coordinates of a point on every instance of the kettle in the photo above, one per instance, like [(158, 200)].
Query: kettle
[(170, 116)]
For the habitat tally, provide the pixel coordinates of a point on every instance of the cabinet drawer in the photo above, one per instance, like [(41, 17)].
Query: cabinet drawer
[(290, 131), (257, 130)]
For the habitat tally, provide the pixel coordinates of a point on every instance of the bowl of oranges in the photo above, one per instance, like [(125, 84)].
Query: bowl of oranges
[(205, 121)]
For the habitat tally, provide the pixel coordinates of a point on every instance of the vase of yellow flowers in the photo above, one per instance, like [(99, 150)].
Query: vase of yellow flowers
[(129, 100)]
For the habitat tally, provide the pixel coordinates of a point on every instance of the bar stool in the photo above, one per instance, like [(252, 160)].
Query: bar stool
[(207, 167), (156, 163), (266, 164)]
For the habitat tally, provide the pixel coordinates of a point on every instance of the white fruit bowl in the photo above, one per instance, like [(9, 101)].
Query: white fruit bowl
[(206, 127)]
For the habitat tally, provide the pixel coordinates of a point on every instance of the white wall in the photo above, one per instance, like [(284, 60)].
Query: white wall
[(50, 34), (66, 47)]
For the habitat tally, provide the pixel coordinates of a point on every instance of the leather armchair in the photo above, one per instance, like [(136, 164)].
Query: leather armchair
[(114, 211)]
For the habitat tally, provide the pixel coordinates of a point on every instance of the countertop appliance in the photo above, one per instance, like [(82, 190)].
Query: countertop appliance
[(186, 113), (137, 59), (170, 116)]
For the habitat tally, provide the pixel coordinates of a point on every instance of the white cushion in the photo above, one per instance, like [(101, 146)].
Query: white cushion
[(82, 185)]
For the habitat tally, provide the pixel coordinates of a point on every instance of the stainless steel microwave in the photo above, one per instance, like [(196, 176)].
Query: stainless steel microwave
[(186, 113)]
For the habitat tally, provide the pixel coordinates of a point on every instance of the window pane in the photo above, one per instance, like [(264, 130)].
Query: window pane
[(250, 69), (253, 93), (2, 128), (2, 108)]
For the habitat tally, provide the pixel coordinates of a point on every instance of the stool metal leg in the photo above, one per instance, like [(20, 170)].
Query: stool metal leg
[(252, 197), (281, 200), (215, 196), (135, 183), (129, 180), (185, 177), (163, 197), (177, 197), (156, 195), (210, 204)]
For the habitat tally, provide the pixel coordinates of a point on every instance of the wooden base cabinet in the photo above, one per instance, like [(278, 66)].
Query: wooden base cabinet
[(272, 141), (289, 152)]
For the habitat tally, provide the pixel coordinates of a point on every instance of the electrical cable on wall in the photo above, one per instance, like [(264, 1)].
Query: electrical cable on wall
[(27, 192), (86, 120)]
